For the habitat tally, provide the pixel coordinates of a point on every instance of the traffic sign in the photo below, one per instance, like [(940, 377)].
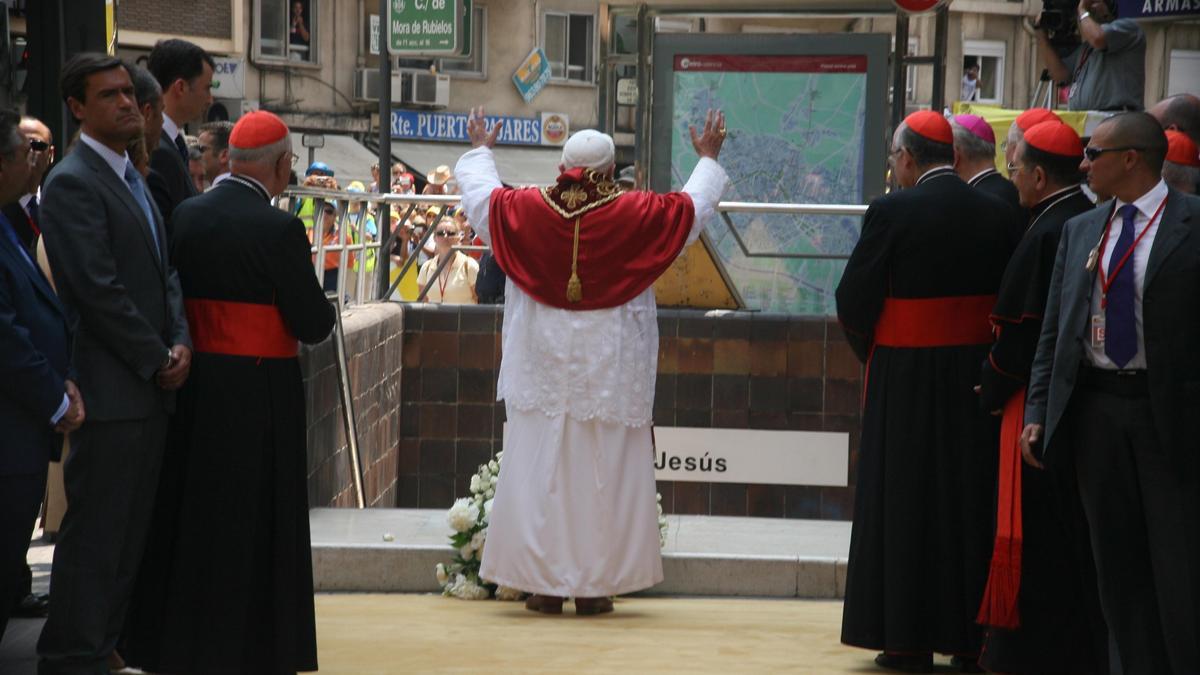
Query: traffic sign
[(425, 27)]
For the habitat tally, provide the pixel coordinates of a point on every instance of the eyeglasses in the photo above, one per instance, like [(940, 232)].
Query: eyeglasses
[(1092, 153), (1013, 168), (446, 233), (293, 158), (36, 145)]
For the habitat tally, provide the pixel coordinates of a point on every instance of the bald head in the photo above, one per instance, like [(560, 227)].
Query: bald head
[(1138, 130), (1180, 112)]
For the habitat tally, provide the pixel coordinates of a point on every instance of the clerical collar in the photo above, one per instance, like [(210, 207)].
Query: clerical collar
[(249, 182), (980, 176), (936, 172), (1055, 197)]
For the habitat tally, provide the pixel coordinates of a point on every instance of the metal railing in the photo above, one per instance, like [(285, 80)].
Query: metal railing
[(360, 253)]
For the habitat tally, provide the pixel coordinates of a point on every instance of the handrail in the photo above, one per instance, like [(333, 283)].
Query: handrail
[(352, 239)]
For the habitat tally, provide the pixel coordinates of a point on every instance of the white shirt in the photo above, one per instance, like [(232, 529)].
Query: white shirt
[(24, 200), (222, 176), (111, 158), (171, 129), (1146, 205), (595, 364)]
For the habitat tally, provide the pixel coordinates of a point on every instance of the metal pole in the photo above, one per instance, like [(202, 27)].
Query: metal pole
[(385, 144), (900, 72), (941, 29), (356, 470)]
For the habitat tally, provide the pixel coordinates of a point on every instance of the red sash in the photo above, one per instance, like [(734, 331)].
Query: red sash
[(239, 329), (999, 607), (626, 241), (935, 322)]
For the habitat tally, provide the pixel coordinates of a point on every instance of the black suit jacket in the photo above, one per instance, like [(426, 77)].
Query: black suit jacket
[(1170, 327), (34, 360), (169, 180), (123, 292)]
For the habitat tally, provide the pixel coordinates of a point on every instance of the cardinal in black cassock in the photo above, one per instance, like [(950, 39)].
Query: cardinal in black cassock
[(914, 302), (227, 578), (1041, 600)]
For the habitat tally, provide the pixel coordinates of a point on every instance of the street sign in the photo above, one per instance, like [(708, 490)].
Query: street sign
[(425, 27), (532, 75)]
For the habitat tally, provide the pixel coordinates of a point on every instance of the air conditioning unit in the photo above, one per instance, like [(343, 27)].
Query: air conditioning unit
[(229, 109), (422, 88), (366, 84)]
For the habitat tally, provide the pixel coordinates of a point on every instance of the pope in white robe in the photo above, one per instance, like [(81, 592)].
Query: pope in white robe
[(574, 514)]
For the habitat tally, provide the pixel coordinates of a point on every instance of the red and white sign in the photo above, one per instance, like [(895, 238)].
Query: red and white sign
[(918, 6), (751, 63)]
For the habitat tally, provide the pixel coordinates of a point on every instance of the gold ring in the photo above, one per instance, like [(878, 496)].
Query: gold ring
[(721, 131)]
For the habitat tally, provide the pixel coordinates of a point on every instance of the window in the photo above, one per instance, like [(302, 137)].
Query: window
[(568, 42), (476, 65), (983, 71), (287, 30), (1183, 72)]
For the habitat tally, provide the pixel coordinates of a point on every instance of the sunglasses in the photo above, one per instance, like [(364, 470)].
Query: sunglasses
[(1092, 153), (446, 233), (38, 145)]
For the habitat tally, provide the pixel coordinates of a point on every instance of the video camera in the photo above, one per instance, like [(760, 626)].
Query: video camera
[(1059, 22)]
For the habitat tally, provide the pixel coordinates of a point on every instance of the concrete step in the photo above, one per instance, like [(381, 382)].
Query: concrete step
[(396, 550)]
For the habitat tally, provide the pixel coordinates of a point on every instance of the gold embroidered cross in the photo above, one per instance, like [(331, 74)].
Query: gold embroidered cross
[(574, 196)]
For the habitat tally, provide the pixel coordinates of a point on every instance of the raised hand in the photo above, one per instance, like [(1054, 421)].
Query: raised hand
[(708, 142), (477, 130)]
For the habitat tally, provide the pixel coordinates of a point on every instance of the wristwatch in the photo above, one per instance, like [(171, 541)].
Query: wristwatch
[(1084, 15), (167, 364)]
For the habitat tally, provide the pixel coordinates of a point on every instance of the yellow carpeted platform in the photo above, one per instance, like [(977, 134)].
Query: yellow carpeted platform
[(365, 634)]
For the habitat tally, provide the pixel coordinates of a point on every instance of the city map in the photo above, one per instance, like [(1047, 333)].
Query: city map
[(795, 136)]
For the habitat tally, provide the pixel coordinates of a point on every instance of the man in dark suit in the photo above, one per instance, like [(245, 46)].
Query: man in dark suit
[(107, 246), (914, 302), (1115, 386), (22, 213), (185, 72), (37, 400)]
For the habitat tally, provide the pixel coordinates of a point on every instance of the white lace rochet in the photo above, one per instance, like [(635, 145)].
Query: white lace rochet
[(598, 364)]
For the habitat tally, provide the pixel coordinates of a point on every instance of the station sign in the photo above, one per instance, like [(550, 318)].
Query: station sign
[(1157, 9), (425, 28), (546, 129), (751, 456)]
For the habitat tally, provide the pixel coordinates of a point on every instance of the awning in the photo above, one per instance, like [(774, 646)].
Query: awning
[(517, 165), (348, 158)]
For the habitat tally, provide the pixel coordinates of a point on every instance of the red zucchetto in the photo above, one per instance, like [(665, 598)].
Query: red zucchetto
[(257, 129), (1036, 116), (1055, 138), (930, 125), (1181, 149)]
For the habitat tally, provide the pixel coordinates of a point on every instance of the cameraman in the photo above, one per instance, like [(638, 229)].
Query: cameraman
[(1107, 70)]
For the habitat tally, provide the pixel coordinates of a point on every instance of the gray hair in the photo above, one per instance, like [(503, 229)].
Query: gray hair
[(265, 154), (970, 145), (1180, 176)]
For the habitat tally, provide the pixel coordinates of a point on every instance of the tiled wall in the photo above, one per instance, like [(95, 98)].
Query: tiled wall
[(373, 335), (737, 370)]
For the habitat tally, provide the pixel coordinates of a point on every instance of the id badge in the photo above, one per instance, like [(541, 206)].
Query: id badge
[(1098, 331)]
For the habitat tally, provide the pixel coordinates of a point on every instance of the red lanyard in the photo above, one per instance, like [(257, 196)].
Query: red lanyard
[(1106, 281), (443, 279)]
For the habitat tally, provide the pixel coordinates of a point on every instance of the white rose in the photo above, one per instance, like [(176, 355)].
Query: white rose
[(478, 539), (463, 515), (484, 472), (442, 577), (475, 483), (494, 466), (467, 552), (490, 493)]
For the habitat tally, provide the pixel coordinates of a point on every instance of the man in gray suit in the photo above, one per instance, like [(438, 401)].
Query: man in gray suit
[(1115, 390), (107, 247)]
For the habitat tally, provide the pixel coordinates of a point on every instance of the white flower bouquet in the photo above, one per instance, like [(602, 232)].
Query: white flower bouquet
[(468, 518)]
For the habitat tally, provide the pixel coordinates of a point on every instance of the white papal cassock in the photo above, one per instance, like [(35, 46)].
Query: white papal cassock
[(574, 513)]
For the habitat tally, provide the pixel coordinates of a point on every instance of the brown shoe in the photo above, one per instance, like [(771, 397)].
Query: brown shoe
[(546, 604), (593, 606)]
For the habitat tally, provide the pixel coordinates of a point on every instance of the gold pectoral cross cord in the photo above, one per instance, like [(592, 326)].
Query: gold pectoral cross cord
[(574, 287)]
